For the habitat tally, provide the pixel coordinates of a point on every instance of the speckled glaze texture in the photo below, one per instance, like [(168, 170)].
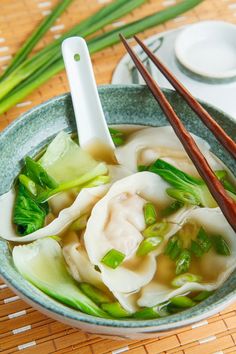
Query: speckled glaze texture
[(122, 105)]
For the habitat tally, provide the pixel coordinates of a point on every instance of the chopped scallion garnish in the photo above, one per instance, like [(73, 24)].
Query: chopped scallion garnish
[(171, 209), (173, 247), (182, 279), (220, 245), (118, 137), (183, 262), (148, 245), (157, 229), (113, 258), (150, 214)]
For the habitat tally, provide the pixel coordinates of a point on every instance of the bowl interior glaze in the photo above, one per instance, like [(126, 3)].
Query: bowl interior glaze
[(122, 105)]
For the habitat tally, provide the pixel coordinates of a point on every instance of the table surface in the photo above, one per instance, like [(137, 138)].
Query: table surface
[(24, 329)]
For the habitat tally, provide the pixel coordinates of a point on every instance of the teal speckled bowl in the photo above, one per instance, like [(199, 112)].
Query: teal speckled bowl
[(122, 105)]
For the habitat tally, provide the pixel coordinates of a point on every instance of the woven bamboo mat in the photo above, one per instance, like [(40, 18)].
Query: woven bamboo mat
[(21, 327)]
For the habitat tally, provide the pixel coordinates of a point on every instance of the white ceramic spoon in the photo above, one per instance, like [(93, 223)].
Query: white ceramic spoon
[(92, 128)]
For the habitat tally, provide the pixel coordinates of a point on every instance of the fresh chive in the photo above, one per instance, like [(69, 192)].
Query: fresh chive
[(183, 262), (115, 310), (220, 245), (30, 43), (196, 249), (113, 258), (171, 209), (157, 229), (96, 44), (29, 184), (182, 301), (96, 295), (148, 245), (173, 247), (182, 279), (204, 240), (150, 214), (142, 168), (203, 295)]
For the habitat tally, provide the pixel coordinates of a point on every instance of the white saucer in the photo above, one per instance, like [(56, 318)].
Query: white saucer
[(208, 49), (220, 95)]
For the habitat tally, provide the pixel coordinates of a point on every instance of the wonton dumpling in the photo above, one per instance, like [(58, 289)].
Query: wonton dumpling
[(147, 145), (214, 222), (78, 262), (83, 203), (117, 222)]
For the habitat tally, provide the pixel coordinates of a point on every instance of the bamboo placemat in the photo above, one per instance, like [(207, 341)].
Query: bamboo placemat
[(21, 327)]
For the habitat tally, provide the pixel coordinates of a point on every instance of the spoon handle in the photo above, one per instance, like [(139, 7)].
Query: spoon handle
[(90, 119)]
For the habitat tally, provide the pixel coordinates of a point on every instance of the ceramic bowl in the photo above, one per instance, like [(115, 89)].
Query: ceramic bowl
[(122, 105), (208, 50)]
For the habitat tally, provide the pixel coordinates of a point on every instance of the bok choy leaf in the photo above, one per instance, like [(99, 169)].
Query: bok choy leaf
[(42, 264), (28, 216), (184, 188)]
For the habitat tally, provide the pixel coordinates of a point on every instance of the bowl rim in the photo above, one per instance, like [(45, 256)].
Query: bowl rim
[(53, 306)]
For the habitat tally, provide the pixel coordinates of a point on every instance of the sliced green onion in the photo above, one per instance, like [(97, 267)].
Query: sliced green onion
[(196, 249), (204, 240), (183, 262), (113, 258), (182, 301), (171, 209), (173, 247), (114, 309), (220, 245), (182, 279), (183, 196), (96, 295), (80, 223), (203, 295), (148, 245), (29, 184), (150, 214), (157, 229)]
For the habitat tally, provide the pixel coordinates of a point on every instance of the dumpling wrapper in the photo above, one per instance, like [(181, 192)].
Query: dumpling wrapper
[(83, 203), (214, 222), (78, 262), (117, 221), (149, 144)]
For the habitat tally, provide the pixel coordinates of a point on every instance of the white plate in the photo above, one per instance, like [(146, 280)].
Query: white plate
[(220, 95)]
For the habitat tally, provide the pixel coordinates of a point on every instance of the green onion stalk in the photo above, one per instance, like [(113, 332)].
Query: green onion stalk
[(47, 70)]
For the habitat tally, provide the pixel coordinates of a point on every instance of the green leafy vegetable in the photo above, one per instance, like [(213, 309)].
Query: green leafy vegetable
[(114, 309), (113, 258), (220, 245), (38, 174), (28, 216), (96, 295), (142, 168), (149, 313), (187, 189), (118, 137), (183, 262), (150, 214), (203, 295), (41, 263), (223, 176), (28, 184)]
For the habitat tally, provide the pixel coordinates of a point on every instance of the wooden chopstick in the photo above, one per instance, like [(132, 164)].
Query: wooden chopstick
[(206, 118), (226, 204)]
